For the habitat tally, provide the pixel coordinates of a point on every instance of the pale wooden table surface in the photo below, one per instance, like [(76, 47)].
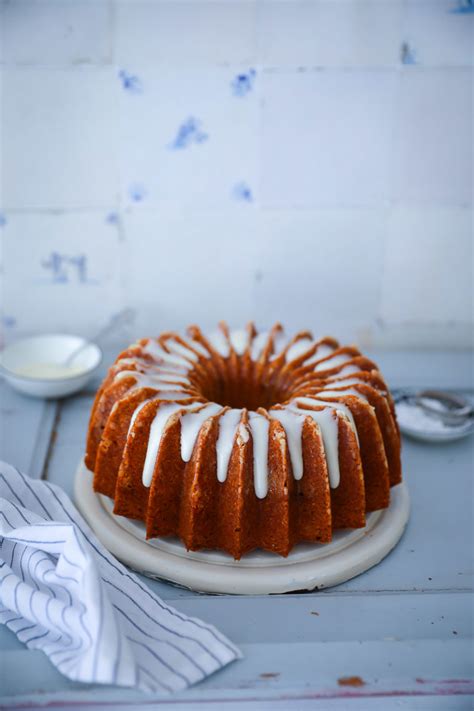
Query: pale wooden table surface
[(404, 627)]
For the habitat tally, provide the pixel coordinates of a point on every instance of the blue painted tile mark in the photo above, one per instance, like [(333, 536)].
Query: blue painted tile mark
[(189, 132), (8, 321), (130, 82), (137, 192), (55, 263), (463, 7), (112, 218), (3, 220), (407, 54), (64, 268), (80, 263), (242, 84), (242, 192)]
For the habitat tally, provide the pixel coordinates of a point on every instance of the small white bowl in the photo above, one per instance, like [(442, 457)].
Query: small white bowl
[(52, 349)]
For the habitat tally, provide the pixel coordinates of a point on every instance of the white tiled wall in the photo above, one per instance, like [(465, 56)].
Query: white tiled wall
[(302, 160), (327, 138), (62, 270), (59, 138), (432, 154), (194, 172)]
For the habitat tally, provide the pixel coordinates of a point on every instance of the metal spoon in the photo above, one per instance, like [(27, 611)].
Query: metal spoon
[(454, 411), (125, 316)]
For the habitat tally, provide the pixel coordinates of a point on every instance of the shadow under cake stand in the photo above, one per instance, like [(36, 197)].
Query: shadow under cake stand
[(309, 566)]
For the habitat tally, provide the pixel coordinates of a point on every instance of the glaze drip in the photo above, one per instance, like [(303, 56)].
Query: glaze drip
[(169, 376), (228, 427)]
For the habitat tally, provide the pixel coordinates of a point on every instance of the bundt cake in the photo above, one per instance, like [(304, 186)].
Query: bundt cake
[(240, 440)]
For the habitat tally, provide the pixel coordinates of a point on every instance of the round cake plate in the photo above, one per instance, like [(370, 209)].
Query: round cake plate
[(308, 566)]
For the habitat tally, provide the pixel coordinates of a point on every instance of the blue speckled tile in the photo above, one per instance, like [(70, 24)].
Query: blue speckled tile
[(68, 264), (188, 138), (440, 33)]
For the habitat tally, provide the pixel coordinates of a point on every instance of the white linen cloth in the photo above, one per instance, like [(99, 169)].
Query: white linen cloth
[(62, 592)]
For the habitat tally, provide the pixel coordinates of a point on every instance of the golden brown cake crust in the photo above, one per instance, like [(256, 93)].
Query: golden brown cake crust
[(240, 440)]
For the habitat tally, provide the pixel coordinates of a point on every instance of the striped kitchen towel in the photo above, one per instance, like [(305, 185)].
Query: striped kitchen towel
[(63, 593)]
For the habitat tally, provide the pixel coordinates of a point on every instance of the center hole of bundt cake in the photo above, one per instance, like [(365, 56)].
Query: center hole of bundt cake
[(239, 387)]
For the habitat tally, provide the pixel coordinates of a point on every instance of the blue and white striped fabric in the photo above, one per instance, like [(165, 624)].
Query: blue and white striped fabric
[(63, 593)]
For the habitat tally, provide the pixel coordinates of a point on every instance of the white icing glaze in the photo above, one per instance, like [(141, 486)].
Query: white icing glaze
[(171, 383), (164, 413), (280, 341), (259, 426), (156, 351), (243, 433), (147, 367), (337, 381), (171, 379), (191, 423), (327, 422), (339, 406), (258, 345), (228, 427), (291, 419), (199, 347), (160, 384), (333, 362), (181, 350), (171, 376), (171, 390), (165, 395), (239, 339), (135, 413), (298, 349), (131, 361), (349, 370), (338, 393), (293, 426), (220, 343), (322, 351), (149, 376)]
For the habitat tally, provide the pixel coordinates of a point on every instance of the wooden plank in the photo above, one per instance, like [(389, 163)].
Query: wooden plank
[(70, 441), (26, 425), (323, 618), (47, 433), (395, 703), (285, 671), (316, 618)]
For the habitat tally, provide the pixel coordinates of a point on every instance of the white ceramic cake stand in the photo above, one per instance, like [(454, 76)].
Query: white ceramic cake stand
[(308, 567)]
